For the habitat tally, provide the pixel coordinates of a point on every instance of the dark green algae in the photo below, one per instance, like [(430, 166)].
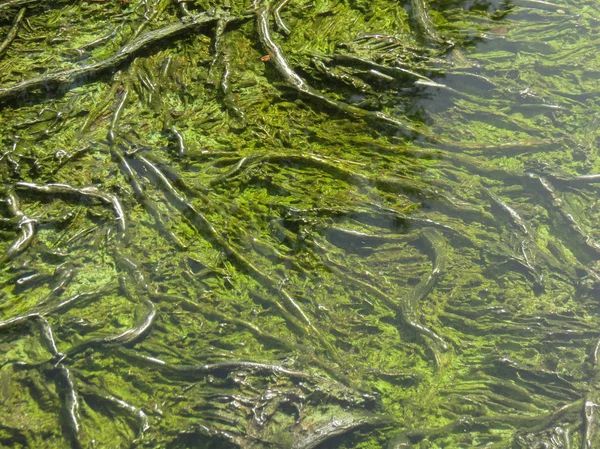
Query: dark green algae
[(299, 225)]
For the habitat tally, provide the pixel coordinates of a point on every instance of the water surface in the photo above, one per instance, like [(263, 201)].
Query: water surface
[(352, 224)]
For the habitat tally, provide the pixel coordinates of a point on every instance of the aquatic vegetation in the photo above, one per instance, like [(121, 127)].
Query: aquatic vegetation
[(292, 224)]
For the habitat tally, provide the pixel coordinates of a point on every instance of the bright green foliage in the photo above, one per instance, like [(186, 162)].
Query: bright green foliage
[(398, 250)]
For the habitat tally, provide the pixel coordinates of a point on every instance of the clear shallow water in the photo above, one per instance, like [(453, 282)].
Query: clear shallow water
[(382, 235)]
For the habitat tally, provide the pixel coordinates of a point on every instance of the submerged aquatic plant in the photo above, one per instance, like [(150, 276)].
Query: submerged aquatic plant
[(299, 224)]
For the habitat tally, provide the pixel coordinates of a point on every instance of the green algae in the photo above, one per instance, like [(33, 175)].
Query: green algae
[(383, 234)]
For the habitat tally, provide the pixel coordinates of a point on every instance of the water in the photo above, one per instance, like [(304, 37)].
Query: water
[(378, 231)]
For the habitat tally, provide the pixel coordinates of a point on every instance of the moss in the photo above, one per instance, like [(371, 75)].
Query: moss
[(282, 238)]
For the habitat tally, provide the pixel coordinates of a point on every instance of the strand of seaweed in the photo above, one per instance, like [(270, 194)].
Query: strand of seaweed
[(206, 228), (125, 53), (12, 33)]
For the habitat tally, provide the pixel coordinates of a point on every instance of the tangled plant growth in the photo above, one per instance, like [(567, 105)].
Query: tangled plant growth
[(299, 224)]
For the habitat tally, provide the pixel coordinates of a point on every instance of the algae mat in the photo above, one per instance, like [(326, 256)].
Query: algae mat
[(296, 224)]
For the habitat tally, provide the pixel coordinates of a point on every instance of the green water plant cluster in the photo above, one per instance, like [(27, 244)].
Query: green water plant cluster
[(299, 224)]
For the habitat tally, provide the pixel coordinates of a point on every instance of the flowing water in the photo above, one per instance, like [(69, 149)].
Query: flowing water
[(299, 224)]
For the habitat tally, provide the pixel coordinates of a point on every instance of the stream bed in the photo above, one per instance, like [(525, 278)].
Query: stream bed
[(300, 224)]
